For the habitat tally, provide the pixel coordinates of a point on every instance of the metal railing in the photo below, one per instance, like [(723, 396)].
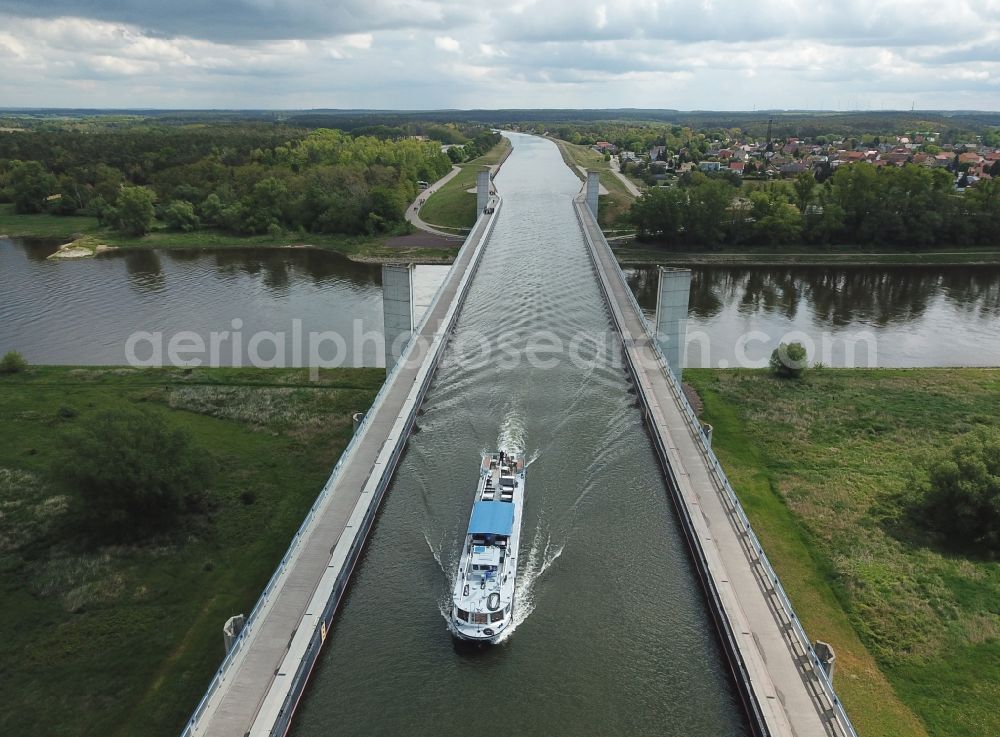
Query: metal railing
[(734, 506), (191, 727)]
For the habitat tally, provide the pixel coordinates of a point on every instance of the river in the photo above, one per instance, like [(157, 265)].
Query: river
[(83, 312)]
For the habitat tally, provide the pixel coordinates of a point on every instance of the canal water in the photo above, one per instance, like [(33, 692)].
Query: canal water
[(612, 635)]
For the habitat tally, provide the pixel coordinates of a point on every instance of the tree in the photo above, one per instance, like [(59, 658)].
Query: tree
[(30, 186), (789, 360), (658, 212), (131, 471), (211, 209), (805, 184), (962, 498), (775, 221), (12, 363), (705, 217), (135, 211), (180, 215)]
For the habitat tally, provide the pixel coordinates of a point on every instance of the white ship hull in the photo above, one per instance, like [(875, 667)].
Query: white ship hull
[(483, 597)]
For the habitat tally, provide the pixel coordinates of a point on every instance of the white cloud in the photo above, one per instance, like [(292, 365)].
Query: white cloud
[(447, 43), (722, 54), (359, 40)]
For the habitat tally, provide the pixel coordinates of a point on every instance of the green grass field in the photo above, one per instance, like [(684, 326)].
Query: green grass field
[(452, 207), (618, 200), (819, 465), (44, 225), (122, 640)]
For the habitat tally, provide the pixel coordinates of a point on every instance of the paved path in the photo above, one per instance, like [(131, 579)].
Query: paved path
[(779, 677), (629, 184), (251, 695), (413, 211)]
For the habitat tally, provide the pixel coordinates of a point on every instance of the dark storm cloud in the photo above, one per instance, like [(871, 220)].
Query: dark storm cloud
[(233, 21)]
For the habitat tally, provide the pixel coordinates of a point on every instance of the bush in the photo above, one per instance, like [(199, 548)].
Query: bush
[(135, 211), (180, 216), (12, 363), (132, 472), (962, 498), (789, 360)]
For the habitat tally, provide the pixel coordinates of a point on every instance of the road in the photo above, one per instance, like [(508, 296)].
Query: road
[(413, 211), (629, 184)]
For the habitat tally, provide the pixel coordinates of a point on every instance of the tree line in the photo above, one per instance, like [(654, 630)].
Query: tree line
[(243, 178), (909, 206)]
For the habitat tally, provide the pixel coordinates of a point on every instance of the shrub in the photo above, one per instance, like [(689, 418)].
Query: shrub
[(962, 499), (132, 472), (12, 363), (179, 215), (135, 211), (789, 360)]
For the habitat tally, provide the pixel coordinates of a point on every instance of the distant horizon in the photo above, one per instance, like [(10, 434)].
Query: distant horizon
[(734, 111)]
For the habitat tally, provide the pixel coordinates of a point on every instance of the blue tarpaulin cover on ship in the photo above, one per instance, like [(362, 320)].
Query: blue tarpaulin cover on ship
[(492, 518)]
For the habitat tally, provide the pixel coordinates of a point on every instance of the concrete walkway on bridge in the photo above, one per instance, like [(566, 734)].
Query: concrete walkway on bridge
[(257, 688), (781, 681)]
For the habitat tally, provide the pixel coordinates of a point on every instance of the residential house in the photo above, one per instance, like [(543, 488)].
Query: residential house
[(793, 169), (850, 156), (943, 159)]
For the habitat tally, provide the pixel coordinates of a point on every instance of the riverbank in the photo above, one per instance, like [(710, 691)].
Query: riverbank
[(634, 253), (364, 249), (136, 630), (819, 465), (452, 208)]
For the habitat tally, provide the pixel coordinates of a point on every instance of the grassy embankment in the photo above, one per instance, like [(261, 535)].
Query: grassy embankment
[(453, 207), (68, 227), (116, 641), (819, 465), (641, 253), (618, 200)]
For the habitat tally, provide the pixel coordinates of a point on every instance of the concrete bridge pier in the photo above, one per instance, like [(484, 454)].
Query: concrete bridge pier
[(397, 310), (231, 631), (672, 299), (593, 190), (482, 191)]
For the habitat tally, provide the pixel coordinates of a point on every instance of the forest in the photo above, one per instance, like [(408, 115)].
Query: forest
[(242, 177), (909, 206)]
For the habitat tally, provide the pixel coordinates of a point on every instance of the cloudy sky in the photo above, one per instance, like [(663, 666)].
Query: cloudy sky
[(413, 54)]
